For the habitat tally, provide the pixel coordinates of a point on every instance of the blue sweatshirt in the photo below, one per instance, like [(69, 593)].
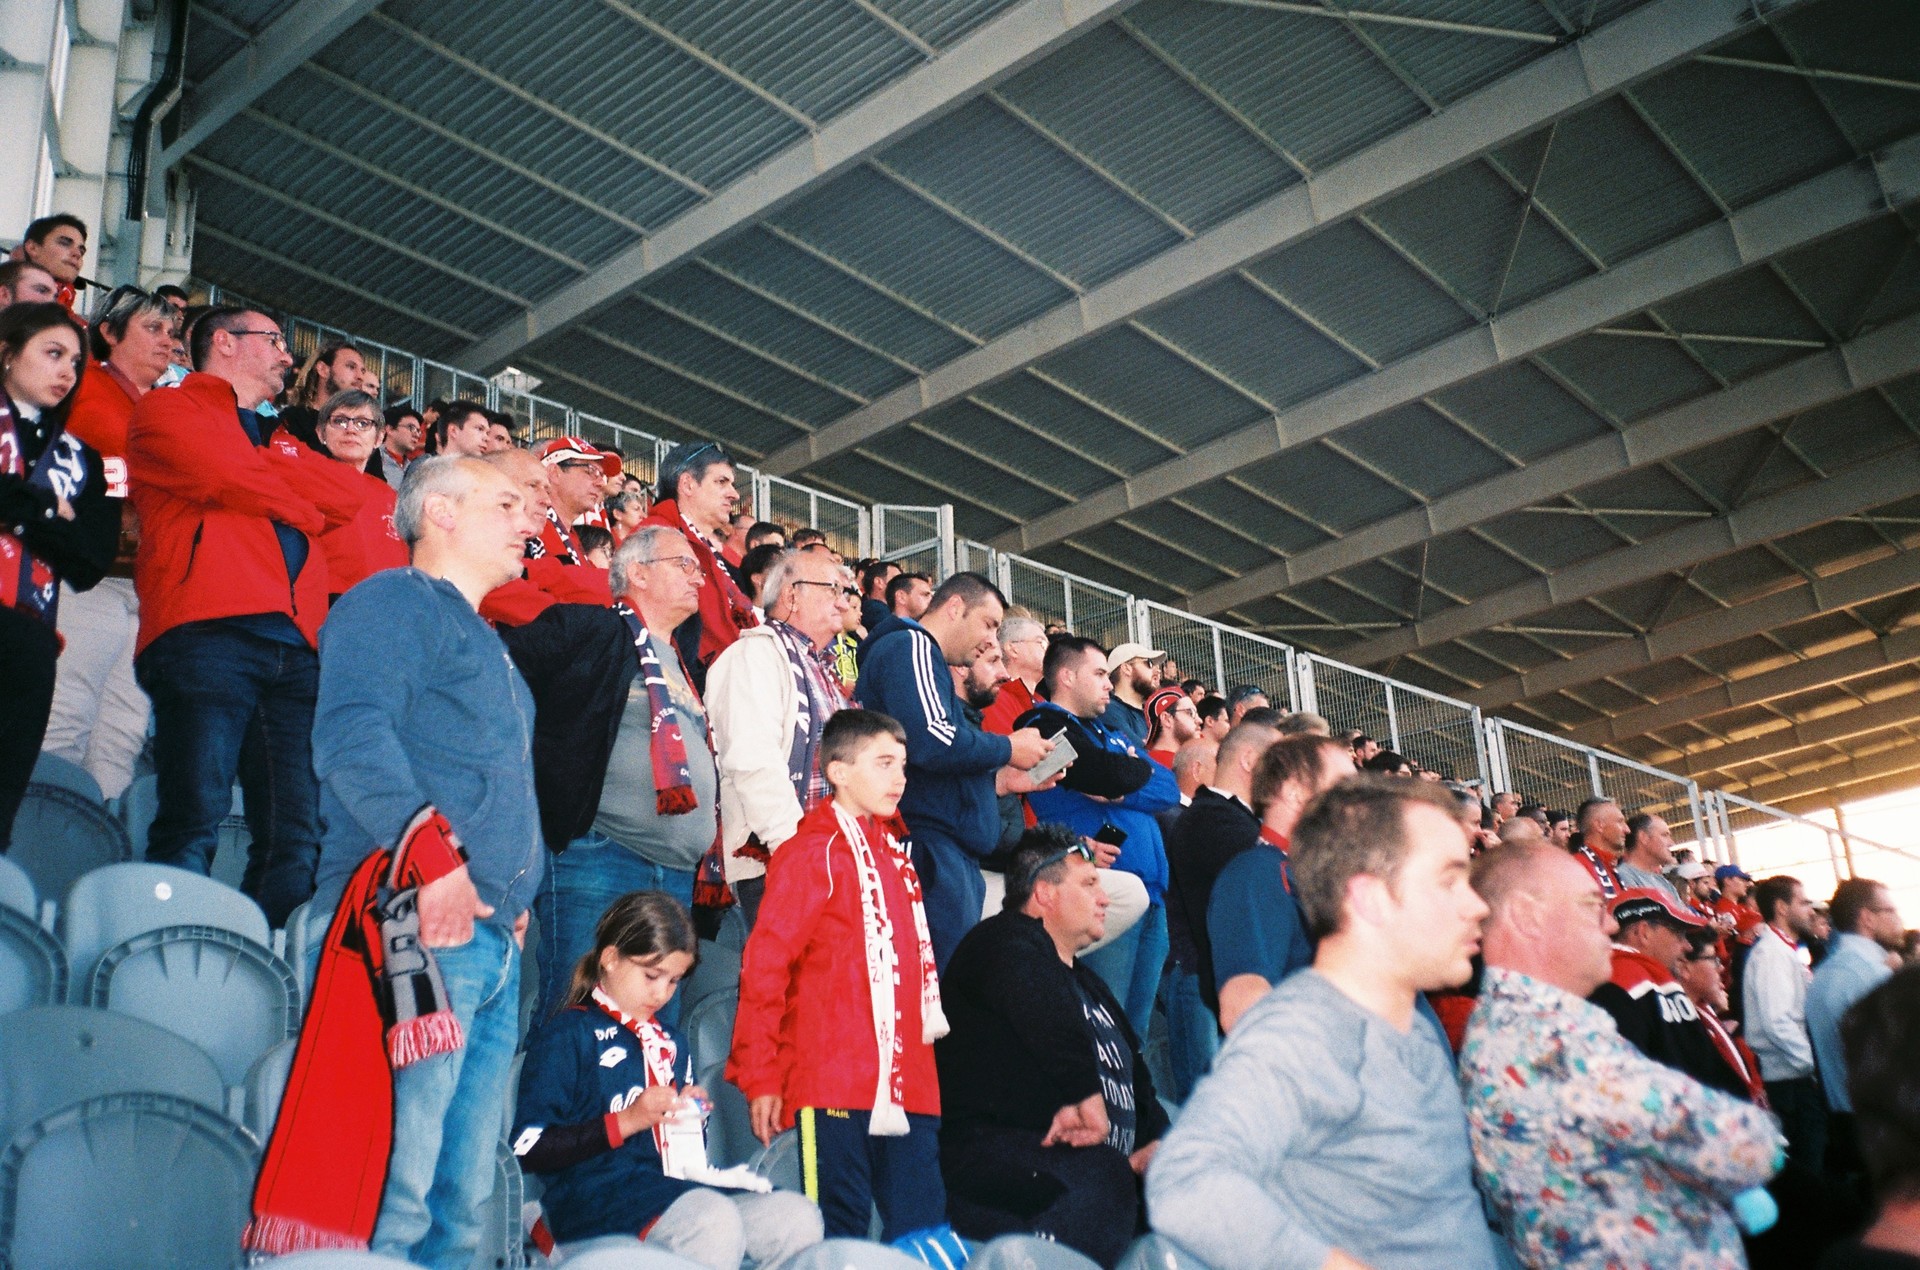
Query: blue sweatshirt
[(950, 761), (419, 704), (1110, 767)]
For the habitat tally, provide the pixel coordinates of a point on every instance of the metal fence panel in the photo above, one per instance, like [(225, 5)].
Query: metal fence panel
[(536, 419), (913, 537), (636, 447), (1543, 769), (1191, 641), (444, 383), (1642, 789), (1252, 659), (1036, 588), (1437, 732)]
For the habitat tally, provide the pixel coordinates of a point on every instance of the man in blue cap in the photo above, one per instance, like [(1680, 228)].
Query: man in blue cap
[(1736, 892)]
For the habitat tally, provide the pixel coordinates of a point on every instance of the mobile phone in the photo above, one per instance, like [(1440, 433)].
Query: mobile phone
[(1111, 835)]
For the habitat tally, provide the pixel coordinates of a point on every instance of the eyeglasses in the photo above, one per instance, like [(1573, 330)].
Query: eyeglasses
[(1046, 862), (274, 338), (831, 586), (353, 425), (687, 564), (575, 465)]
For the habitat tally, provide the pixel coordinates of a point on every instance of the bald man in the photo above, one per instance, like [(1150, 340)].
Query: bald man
[(544, 580)]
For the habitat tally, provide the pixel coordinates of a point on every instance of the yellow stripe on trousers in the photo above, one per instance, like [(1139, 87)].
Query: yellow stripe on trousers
[(809, 1155)]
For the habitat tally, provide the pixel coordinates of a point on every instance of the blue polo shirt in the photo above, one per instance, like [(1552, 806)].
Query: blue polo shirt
[(1254, 921)]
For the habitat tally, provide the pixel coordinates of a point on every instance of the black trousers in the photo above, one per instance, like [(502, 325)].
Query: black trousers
[(1802, 1107), (28, 648), (1003, 1182)]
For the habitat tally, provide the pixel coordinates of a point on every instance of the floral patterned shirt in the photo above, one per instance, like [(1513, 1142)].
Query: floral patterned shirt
[(1593, 1154)]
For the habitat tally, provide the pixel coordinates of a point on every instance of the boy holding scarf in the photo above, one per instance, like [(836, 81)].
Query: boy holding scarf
[(841, 954)]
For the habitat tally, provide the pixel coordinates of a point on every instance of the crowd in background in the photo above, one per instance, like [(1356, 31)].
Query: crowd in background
[(1036, 935)]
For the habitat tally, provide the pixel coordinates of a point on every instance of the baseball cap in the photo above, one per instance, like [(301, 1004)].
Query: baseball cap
[(563, 449), (1646, 904), (1726, 871), (1161, 702), (1691, 871), (1124, 653)]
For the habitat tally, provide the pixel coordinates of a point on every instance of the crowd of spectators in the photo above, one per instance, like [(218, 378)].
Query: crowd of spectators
[(1037, 935)]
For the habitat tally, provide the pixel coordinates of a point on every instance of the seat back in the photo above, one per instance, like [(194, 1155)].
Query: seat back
[(306, 928), (56, 1055), (51, 769), (336, 1259), (16, 889), (266, 1086), (33, 970), (852, 1254), (110, 906), (718, 970), (629, 1254), (1157, 1252), (503, 1238), (222, 991), (60, 835), (126, 1182), (1026, 1252), (708, 1027), (779, 1162)]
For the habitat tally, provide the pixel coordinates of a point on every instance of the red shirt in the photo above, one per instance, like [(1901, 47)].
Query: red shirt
[(1015, 699), (804, 1031)]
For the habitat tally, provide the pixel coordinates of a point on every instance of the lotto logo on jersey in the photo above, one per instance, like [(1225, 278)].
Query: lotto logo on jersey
[(613, 1056), (525, 1142)]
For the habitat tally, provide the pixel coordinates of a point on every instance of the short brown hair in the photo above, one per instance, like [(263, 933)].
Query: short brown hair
[(1357, 827), (1290, 760), (1851, 899), (849, 731)]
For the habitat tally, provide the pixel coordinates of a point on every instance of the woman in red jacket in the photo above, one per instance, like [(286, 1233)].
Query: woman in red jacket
[(349, 430)]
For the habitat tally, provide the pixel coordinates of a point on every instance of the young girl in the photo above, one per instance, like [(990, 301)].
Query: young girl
[(598, 1087)]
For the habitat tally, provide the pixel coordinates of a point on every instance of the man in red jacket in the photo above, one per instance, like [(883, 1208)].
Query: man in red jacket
[(232, 593), (697, 497)]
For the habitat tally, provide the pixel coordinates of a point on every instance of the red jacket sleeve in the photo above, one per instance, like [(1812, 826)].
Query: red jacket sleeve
[(186, 442), (330, 485), (798, 884), (570, 583), (515, 603)]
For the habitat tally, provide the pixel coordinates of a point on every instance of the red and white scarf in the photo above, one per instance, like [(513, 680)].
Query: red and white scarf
[(889, 1118), (657, 1051)]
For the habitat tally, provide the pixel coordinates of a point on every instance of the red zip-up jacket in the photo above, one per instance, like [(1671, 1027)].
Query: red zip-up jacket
[(207, 498), (804, 1030)]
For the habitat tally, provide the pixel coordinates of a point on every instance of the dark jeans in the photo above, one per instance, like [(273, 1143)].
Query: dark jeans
[(228, 703), (1003, 1182), (28, 648), (848, 1172), (1802, 1108), (581, 884)]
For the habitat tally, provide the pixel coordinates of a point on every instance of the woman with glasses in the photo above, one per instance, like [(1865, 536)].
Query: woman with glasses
[(56, 525), (349, 429)]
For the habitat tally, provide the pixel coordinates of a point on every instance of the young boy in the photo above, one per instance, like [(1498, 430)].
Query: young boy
[(840, 1003)]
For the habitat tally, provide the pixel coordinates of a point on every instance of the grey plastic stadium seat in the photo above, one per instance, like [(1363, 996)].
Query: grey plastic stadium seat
[(1028, 1252), (58, 1055), (718, 970), (16, 889), (628, 1254), (708, 1028), (305, 928), (852, 1254), (1157, 1252), (126, 1182), (502, 1238), (336, 1259), (779, 1162), (137, 807), (266, 1085), (225, 993), (51, 769), (60, 835), (33, 970), (110, 906)]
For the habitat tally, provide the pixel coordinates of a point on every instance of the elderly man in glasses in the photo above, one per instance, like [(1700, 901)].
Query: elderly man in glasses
[(1048, 1115), (232, 592)]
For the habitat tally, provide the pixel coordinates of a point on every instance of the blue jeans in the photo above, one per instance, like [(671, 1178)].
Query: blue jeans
[(228, 703), (1193, 1034), (449, 1112), (1131, 967), (582, 882)]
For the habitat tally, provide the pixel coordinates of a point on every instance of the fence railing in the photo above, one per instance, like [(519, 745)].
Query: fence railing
[(1434, 730)]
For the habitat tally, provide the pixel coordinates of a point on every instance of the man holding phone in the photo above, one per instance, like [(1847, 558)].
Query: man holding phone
[(1109, 795)]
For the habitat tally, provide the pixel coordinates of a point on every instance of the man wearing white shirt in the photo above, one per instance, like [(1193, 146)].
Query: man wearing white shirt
[(1774, 998)]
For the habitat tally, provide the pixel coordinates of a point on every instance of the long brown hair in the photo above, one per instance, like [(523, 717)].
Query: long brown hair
[(638, 924)]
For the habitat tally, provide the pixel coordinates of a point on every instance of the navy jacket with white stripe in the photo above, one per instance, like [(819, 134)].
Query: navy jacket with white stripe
[(950, 761)]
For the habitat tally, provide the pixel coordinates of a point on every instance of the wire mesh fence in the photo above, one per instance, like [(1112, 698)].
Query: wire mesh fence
[(844, 523), (919, 538), (1251, 659), (1192, 642), (1540, 768), (1437, 732), (1057, 598), (1675, 799)]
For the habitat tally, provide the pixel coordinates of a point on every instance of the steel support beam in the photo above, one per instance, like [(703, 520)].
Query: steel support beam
[(1897, 649), (1858, 489), (1644, 42), (1005, 46), (1886, 576), (1828, 729), (1821, 780), (1804, 384), (269, 57), (1893, 783)]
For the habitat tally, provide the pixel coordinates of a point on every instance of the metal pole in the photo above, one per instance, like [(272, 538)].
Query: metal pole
[(1393, 721), (1593, 773), (1480, 752), (943, 522), (1846, 840), (1219, 661), (1700, 837)]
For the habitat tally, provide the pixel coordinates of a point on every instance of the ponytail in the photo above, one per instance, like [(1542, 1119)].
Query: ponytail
[(638, 924)]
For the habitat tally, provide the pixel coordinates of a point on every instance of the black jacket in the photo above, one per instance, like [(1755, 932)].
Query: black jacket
[(1020, 1047), (1208, 835), (578, 660), (78, 551)]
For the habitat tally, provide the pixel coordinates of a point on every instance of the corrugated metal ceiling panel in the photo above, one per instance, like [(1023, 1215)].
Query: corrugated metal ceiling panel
[(1327, 488), (1350, 281), (1158, 390), (1628, 378), (1521, 411), (1855, 280), (268, 282), (1421, 450), (1855, 428), (1871, 37), (943, 23), (1052, 464), (673, 395), (1753, 304), (1280, 529), (209, 44), (1074, 424), (998, 488), (1235, 329), (1127, 548), (1235, 552), (1711, 115), (1448, 65)]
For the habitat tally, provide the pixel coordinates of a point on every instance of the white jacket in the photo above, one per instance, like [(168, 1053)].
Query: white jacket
[(753, 708), (1775, 997)]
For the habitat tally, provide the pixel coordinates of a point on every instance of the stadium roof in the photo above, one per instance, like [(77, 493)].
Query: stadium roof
[(1563, 355)]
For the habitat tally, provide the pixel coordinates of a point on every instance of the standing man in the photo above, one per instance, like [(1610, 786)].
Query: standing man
[(697, 497), (1736, 896), (1774, 1012), (873, 592), (232, 593), (769, 696), (629, 791), (58, 244), (1648, 855), (1331, 1133), (955, 771), (577, 475), (1135, 672), (405, 436), (1601, 838), (1866, 930), (439, 775), (908, 595), (1591, 1153), (463, 428)]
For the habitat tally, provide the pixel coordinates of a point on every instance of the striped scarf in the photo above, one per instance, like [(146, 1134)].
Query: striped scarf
[(672, 778), (819, 698)]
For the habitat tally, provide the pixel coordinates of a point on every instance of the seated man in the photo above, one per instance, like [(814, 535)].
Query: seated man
[(1330, 1133), (1049, 1114)]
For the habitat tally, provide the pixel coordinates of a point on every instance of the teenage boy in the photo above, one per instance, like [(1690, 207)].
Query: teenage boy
[(840, 1002)]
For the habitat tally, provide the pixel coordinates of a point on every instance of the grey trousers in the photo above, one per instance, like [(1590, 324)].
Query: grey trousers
[(724, 1229)]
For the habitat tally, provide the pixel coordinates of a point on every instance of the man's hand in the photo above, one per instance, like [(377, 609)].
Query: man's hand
[(65, 511), (763, 1113), (448, 908), (1029, 747), (520, 929), (1012, 780), (1104, 853), (1337, 1260), (1143, 1157), (1080, 1124)]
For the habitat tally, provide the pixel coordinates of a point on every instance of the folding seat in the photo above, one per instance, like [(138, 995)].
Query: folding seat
[(779, 1162), (708, 1027), (502, 1237), (61, 834), (126, 1181), (33, 969), (266, 1085), (51, 769), (305, 928), (1026, 1252), (1157, 1252), (57, 1055), (336, 1259), (627, 1254), (717, 970), (111, 905), (852, 1254), (16, 889)]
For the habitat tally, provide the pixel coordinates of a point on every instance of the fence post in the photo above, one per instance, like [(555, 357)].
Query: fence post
[(1304, 689), (944, 524), (866, 534), (1393, 721), (1480, 752), (1139, 623), (1219, 661), (1699, 824), (1593, 774)]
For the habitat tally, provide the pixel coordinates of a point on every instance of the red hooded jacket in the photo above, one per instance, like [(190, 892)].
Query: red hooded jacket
[(724, 610), (207, 498)]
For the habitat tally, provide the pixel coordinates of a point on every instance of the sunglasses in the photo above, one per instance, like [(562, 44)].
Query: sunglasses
[(1046, 862)]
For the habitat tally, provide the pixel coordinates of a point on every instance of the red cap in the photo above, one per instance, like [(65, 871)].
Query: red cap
[(1162, 701), (1642, 903), (563, 449)]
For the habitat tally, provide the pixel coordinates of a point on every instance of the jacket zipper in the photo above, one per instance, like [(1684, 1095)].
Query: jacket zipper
[(194, 549)]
